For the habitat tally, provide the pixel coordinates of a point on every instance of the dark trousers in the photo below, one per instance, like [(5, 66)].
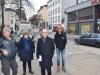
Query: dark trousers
[(29, 65), (48, 70), (6, 65)]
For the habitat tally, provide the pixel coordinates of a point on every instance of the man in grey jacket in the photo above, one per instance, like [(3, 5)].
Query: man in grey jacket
[(8, 51)]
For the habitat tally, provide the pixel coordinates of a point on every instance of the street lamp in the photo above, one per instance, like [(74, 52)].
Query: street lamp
[(2, 8)]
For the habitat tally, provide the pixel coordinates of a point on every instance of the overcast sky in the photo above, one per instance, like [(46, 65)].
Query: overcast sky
[(36, 4)]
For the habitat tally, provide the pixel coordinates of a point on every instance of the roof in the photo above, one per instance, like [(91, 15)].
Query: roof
[(9, 9), (49, 1), (42, 7)]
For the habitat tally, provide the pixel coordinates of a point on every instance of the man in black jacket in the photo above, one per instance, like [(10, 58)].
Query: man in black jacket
[(60, 40), (8, 51)]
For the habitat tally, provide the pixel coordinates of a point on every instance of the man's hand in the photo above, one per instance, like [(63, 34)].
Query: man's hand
[(5, 52)]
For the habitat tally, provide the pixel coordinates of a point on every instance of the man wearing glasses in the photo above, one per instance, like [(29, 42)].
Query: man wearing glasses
[(45, 52)]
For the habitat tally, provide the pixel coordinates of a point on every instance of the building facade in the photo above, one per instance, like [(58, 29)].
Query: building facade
[(56, 11), (10, 18), (43, 13), (83, 18)]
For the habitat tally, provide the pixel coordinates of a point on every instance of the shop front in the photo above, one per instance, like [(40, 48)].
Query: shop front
[(85, 27), (72, 28)]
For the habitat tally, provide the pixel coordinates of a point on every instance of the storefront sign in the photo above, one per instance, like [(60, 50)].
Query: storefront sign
[(95, 1)]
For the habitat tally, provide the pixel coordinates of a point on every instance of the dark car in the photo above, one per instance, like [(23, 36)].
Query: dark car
[(89, 39)]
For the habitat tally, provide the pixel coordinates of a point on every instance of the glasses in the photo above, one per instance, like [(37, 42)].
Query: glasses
[(44, 32)]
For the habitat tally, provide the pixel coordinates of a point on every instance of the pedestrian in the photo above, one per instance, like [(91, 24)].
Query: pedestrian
[(60, 40), (8, 51), (45, 52), (26, 49)]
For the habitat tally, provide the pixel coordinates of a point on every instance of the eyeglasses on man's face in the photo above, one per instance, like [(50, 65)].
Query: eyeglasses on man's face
[(44, 32)]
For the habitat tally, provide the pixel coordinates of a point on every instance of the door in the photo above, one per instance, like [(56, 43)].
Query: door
[(92, 39), (84, 39)]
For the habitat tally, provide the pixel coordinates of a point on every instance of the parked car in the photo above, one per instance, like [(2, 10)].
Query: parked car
[(89, 39)]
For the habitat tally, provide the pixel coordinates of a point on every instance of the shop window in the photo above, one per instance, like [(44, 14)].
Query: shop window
[(72, 16), (86, 17), (85, 28), (72, 28)]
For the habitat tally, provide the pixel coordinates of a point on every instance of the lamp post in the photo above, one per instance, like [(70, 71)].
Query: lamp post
[(2, 8), (20, 9)]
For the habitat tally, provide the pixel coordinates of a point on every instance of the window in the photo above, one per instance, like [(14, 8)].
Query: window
[(72, 16), (51, 19), (55, 10), (51, 5), (58, 9), (55, 18), (93, 36), (58, 1), (11, 14), (55, 2), (51, 12), (58, 18), (11, 21)]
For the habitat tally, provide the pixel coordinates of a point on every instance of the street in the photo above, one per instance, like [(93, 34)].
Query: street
[(80, 60)]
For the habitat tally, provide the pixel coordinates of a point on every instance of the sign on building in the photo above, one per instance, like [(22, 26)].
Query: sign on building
[(95, 1)]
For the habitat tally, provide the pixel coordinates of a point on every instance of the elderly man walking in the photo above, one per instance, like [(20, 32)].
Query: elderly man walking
[(8, 52), (45, 52)]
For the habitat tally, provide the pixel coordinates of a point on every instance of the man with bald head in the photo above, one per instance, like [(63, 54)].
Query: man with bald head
[(45, 52)]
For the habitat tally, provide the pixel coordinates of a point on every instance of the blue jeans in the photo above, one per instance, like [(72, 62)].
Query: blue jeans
[(58, 51)]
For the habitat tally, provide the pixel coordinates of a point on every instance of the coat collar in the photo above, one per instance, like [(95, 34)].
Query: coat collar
[(46, 41)]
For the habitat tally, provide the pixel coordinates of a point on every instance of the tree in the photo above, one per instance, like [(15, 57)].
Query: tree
[(36, 19), (19, 4), (15, 4)]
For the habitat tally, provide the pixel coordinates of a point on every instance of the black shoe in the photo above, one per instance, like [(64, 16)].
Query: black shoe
[(24, 73), (31, 72)]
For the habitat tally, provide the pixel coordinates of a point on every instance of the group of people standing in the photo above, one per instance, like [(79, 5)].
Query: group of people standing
[(26, 48)]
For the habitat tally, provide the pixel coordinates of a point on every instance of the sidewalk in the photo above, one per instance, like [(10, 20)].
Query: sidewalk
[(71, 35)]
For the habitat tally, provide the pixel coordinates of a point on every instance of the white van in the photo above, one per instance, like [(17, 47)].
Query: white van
[(24, 26)]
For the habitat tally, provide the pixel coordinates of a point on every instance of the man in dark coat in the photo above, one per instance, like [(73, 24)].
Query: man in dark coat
[(45, 52)]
